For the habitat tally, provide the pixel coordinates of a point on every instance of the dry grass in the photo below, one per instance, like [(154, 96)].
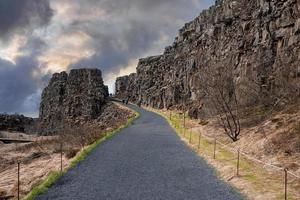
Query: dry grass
[(40, 158), (54, 176), (255, 181)]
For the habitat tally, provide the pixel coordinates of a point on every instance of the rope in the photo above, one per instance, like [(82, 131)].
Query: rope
[(264, 163), (251, 157), (291, 173)]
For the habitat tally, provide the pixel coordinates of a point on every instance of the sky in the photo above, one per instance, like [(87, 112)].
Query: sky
[(42, 37)]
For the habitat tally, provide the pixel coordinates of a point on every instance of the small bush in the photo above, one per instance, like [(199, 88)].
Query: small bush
[(3, 193), (71, 153), (203, 122)]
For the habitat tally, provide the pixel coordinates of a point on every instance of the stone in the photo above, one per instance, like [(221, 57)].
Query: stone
[(78, 96), (257, 38)]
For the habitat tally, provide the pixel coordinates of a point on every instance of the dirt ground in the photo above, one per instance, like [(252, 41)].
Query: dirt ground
[(43, 156)]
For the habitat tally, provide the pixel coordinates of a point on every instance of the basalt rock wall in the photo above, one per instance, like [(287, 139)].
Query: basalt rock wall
[(258, 39), (70, 98), (125, 87)]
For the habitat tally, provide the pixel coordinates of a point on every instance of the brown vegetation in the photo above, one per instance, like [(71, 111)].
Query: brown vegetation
[(267, 148), (41, 157)]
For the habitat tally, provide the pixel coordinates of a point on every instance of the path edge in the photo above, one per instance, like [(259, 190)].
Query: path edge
[(215, 170), (53, 177)]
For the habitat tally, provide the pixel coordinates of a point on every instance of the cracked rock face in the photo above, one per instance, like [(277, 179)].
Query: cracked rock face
[(124, 87), (258, 39), (78, 96)]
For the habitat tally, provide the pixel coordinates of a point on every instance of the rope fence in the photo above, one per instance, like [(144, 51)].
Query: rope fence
[(20, 175), (60, 169), (202, 143), (212, 147)]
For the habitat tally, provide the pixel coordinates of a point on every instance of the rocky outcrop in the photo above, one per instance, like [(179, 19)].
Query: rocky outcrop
[(18, 123), (258, 39), (71, 98), (125, 86)]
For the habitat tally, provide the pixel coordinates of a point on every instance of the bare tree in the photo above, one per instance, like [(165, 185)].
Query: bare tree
[(219, 89)]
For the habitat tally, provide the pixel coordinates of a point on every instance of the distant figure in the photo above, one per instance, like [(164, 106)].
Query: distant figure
[(139, 103), (127, 100)]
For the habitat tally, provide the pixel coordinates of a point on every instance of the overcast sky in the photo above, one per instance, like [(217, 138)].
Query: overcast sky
[(41, 37)]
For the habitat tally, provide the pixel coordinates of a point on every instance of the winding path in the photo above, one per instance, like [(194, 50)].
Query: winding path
[(146, 161)]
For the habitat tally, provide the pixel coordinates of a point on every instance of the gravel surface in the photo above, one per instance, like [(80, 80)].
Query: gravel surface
[(145, 161)]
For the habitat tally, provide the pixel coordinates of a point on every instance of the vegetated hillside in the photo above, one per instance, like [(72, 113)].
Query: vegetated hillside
[(15, 122), (238, 61)]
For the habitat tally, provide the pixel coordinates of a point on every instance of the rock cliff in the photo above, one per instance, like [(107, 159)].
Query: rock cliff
[(258, 41), (78, 96), (125, 87), (18, 123)]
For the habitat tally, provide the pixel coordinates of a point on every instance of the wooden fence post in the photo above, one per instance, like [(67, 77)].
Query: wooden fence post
[(184, 119), (18, 180), (215, 146), (285, 183), (238, 163), (61, 156), (199, 142)]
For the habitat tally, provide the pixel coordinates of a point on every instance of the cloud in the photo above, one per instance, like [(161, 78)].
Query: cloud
[(40, 37), (21, 81), (23, 16), (129, 29), (20, 70), (114, 50), (16, 83)]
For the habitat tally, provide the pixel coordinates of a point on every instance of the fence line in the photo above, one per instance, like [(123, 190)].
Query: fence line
[(253, 158), (248, 157), (52, 159), (20, 170), (291, 173), (232, 150)]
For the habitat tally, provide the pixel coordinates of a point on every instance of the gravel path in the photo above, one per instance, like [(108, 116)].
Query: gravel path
[(145, 161)]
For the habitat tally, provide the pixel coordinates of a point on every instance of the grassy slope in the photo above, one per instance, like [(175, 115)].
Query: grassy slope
[(254, 180), (54, 176)]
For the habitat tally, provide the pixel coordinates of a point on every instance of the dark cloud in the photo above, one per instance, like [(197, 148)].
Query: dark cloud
[(23, 16), (18, 85), (119, 31), (129, 29), (35, 46), (114, 50)]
